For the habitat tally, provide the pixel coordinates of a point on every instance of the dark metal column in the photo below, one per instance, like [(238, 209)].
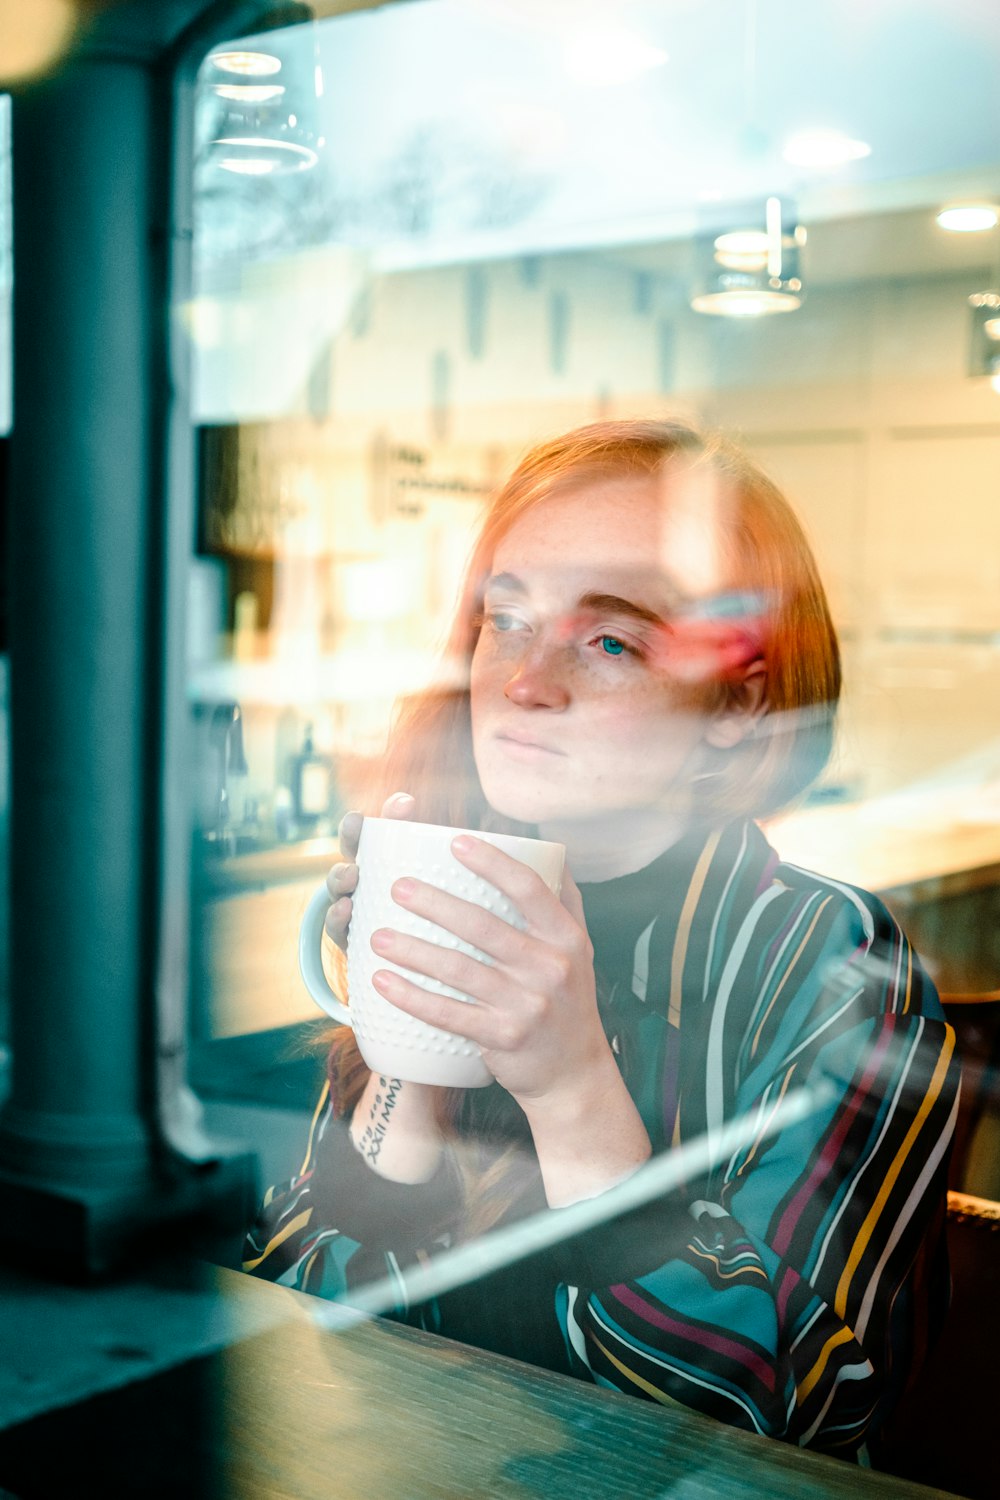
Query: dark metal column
[(84, 1168)]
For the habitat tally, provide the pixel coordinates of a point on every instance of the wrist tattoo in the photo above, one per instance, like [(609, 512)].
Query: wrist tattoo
[(372, 1137)]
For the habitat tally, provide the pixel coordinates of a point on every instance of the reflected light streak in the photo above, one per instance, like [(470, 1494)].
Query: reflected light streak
[(824, 149), (605, 55), (504, 1247)]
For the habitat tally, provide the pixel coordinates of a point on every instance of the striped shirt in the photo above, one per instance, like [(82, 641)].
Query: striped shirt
[(790, 1287)]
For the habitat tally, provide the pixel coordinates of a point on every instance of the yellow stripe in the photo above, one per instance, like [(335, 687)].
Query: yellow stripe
[(324, 1095), (644, 1385), (788, 969), (684, 927), (299, 1222), (861, 1242), (728, 1275), (841, 1337)]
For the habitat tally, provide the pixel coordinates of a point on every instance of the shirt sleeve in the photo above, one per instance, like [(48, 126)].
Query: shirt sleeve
[(338, 1226), (790, 1282)]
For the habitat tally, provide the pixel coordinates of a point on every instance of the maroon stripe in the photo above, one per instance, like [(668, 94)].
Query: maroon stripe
[(706, 1339)]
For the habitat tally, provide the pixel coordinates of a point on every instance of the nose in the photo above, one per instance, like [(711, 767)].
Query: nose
[(539, 679)]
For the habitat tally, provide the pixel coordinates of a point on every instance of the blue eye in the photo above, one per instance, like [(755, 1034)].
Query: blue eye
[(612, 645)]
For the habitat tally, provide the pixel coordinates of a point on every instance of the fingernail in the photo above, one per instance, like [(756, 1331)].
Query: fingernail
[(398, 798), (386, 982), (381, 940), (404, 887), (463, 844)]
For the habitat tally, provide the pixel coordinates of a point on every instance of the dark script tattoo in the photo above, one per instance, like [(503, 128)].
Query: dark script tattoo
[(383, 1104)]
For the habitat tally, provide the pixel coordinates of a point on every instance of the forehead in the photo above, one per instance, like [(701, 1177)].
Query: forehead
[(669, 526)]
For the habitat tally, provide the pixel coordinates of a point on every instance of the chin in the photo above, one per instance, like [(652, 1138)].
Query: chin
[(525, 800)]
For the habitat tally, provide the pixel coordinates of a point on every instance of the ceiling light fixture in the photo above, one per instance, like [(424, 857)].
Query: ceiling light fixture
[(824, 149), (968, 218), (750, 272), (261, 116)]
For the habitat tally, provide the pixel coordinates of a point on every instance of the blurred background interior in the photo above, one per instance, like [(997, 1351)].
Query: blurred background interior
[(409, 240), (452, 229), (424, 235)]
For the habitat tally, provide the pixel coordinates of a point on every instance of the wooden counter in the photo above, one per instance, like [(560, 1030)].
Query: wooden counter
[(935, 861), (284, 1409), (925, 849)]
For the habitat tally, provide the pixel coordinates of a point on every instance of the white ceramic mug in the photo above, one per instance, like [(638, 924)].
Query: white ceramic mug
[(392, 1042)]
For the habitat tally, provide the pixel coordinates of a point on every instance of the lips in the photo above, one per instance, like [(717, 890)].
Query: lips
[(524, 746)]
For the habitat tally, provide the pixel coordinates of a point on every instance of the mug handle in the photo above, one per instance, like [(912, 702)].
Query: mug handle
[(310, 963)]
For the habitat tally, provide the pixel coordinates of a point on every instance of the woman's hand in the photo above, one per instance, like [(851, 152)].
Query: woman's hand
[(395, 1125), (535, 1014), (343, 877)]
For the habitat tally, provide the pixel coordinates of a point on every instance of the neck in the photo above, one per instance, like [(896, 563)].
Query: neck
[(616, 843)]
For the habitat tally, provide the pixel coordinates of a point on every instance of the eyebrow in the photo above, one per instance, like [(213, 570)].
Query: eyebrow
[(600, 602)]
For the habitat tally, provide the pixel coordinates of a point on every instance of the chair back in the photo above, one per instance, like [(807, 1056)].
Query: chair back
[(943, 1433), (975, 1157)]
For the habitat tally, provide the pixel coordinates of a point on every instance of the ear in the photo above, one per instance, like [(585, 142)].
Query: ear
[(743, 705)]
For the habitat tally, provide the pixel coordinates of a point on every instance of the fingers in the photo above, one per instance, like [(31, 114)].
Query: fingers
[(473, 924), (447, 965), (546, 916), (457, 1016), (349, 833), (399, 805), (342, 880), (338, 919)]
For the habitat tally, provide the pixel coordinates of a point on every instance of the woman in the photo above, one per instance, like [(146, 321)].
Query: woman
[(646, 662)]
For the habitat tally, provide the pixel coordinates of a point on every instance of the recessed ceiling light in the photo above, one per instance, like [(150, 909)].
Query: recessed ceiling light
[(249, 64), (968, 218), (824, 148)]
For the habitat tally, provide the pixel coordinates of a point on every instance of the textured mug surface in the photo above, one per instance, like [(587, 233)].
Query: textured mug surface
[(392, 1042)]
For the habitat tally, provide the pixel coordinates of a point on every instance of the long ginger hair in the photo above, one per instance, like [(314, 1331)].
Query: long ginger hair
[(769, 562)]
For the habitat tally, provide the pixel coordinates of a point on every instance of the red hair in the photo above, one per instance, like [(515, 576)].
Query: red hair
[(768, 558)]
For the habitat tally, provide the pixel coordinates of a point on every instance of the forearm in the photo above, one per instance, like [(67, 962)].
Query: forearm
[(588, 1138), (395, 1129)]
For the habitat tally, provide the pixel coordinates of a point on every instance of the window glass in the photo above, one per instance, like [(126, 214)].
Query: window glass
[(6, 404), (429, 235)]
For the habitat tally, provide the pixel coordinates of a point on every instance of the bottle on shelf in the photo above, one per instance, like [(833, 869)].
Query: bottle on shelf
[(311, 785)]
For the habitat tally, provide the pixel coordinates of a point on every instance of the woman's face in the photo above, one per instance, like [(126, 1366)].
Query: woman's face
[(579, 706)]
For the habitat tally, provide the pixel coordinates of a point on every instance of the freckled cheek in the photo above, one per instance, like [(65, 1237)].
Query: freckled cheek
[(487, 680)]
